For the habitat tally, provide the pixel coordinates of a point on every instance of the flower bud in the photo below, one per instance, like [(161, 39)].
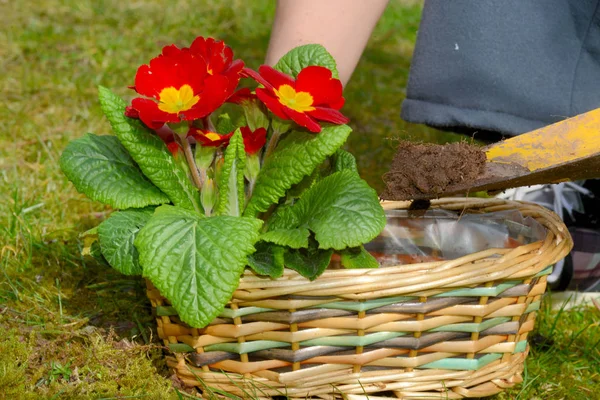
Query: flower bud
[(219, 161), (252, 167), (208, 196), (204, 156), (256, 117)]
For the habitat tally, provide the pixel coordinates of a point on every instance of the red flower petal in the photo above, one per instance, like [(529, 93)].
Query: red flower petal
[(173, 68), (319, 82), (214, 95), (215, 53), (131, 112), (303, 120), (272, 103), (235, 67), (338, 104), (275, 77), (328, 115), (201, 137), (173, 148), (242, 95), (150, 114), (253, 141), (233, 74), (248, 73)]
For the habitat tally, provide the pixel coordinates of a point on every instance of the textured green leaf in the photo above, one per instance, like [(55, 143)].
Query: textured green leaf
[(150, 153), (358, 257), (116, 235), (294, 238), (342, 210), (296, 156), (342, 160), (283, 218), (194, 261), (224, 124), (231, 181), (304, 56), (306, 182), (101, 168), (267, 260), (310, 263), (96, 253)]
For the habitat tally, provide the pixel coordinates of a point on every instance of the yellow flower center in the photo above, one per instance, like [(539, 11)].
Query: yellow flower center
[(174, 101), (297, 101), (213, 136)]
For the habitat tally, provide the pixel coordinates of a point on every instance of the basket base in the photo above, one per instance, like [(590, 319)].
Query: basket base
[(376, 385)]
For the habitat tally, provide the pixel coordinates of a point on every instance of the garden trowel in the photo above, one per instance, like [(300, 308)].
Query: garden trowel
[(565, 151)]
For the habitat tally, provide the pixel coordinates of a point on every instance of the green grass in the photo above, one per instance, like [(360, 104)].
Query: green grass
[(71, 328)]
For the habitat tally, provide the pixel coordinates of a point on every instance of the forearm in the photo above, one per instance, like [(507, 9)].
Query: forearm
[(342, 26)]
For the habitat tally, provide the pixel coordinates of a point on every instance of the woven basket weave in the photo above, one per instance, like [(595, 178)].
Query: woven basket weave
[(435, 330)]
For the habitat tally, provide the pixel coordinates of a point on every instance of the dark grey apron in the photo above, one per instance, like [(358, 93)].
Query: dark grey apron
[(507, 66)]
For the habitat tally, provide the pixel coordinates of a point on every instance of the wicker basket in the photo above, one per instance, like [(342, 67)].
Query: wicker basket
[(435, 330)]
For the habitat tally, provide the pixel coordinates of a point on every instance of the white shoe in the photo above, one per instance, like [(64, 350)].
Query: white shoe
[(560, 197)]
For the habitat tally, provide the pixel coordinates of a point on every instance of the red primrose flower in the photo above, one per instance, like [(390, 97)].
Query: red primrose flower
[(314, 96), (185, 84)]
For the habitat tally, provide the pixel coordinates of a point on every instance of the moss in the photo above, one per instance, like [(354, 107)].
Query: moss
[(84, 364)]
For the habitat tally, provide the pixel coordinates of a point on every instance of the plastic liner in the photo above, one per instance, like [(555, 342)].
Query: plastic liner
[(444, 235)]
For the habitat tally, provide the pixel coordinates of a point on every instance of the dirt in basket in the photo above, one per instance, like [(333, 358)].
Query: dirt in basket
[(420, 168)]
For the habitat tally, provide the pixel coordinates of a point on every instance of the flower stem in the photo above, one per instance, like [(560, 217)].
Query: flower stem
[(187, 150), (272, 144)]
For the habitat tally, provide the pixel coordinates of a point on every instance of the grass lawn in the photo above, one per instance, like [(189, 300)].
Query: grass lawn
[(72, 329)]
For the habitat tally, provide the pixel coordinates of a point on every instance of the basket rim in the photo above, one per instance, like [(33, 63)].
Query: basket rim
[(421, 278)]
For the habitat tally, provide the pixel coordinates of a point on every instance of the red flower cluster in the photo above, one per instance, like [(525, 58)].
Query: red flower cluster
[(185, 84), (314, 96), (253, 140), (189, 84)]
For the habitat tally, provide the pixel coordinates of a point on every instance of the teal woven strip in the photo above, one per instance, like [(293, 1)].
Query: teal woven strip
[(352, 341), (463, 363), (180, 348), (533, 307), (247, 347), (472, 326), (521, 346), (364, 305), (546, 271), (241, 312), (165, 311), (480, 291)]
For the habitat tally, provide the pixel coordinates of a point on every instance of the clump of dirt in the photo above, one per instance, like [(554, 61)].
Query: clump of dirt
[(428, 169)]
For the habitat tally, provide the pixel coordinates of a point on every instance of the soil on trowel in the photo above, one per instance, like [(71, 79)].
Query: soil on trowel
[(429, 169)]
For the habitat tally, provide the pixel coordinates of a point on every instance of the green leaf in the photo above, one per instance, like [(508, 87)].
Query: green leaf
[(294, 238), (358, 257), (283, 218), (295, 157), (150, 153), (224, 124), (95, 252), (101, 168), (231, 181), (298, 189), (310, 263), (194, 261), (342, 210), (117, 234), (342, 160), (304, 56), (267, 260)]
